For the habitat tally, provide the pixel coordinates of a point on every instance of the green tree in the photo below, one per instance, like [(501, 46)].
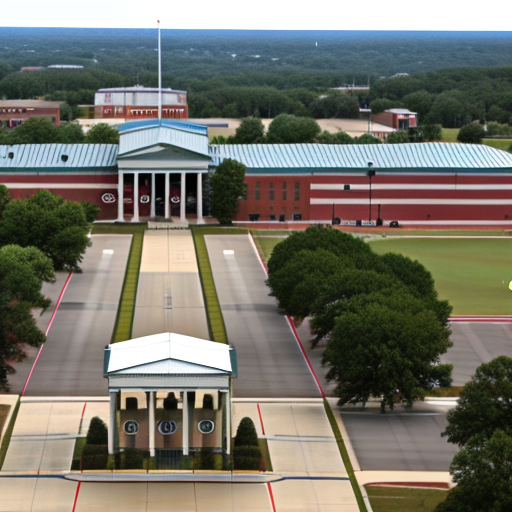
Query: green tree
[(366, 138), (419, 102), (289, 129), (57, 227), (102, 133), (388, 347), (471, 133), (485, 403), (36, 130), (250, 131), (432, 132), (71, 133), (302, 279), (227, 188), (483, 474), (5, 197), (22, 272), (400, 137), (334, 138)]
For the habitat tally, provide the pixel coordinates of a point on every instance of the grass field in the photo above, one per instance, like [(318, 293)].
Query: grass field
[(498, 143), (472, 273), (399, 499)]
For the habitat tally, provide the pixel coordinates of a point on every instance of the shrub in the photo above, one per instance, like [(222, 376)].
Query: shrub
[(95, 456), (170, 402), (471, 134), (97, 433), (207, 459), (246, 433), (247, 457), (133, 458)]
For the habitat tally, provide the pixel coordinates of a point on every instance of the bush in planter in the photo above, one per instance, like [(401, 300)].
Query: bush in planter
[(133, 458), (170, 402), (207, 459), (95, 456), (246, 433), (97, 433), (247, 457)]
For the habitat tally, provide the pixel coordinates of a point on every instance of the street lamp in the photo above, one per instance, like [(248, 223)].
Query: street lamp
[(370, 173)]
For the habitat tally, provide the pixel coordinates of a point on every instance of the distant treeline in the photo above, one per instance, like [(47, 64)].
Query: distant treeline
[(265, 73)]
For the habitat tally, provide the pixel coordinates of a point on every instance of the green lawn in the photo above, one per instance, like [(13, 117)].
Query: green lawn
[(498, 143), (400, 499), (472, 273)]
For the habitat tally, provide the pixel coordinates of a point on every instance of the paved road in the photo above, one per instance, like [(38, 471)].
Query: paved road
[(71, 362), (169, 294), (475, 343), (270, 363)]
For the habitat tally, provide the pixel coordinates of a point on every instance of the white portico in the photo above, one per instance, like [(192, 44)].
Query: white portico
[(161, 166), (169, 392)]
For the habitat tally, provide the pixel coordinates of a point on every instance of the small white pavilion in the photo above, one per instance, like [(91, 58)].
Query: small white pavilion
[(169, 392)]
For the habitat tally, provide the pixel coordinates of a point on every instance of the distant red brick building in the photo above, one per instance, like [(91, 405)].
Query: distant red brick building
[(14, 112), (397, 118), (135, 103)]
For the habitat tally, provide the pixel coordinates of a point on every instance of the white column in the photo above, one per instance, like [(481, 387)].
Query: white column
[(112, 427), (151, 423), (152, 211), (167, 196), (199, 200), (135, 217), (120, 197), (183, 198), (228, 422), (185, 423)]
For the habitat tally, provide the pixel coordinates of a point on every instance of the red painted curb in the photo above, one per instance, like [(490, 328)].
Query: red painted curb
[(261, 419), (76, 496), (271, 496)]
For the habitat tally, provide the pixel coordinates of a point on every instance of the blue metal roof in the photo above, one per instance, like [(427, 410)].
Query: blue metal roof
[(61, 156), (169, 123), (319, 157)]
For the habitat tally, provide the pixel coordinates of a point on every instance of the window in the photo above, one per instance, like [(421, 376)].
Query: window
[(284, 191), (297, 191), (271, 191), (257, 191)]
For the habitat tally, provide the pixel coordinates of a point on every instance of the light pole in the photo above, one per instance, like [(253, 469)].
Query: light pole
[(370, 173)]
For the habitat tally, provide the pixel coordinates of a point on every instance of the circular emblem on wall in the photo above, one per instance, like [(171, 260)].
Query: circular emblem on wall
[(206, 426), (144, 199), (167, 427), (131, 427), (108, 198), (175, 199)]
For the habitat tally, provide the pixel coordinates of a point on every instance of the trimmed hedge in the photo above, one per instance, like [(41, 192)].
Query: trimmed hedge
[(246, 434), (95, 456), (207, 458), (97, 433), (247, 457)]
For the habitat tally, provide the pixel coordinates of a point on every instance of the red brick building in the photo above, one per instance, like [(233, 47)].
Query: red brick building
[(397, 118), (135, 103), (14, 112), (161, 170)]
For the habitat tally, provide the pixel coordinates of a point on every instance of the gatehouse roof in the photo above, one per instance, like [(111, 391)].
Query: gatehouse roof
[(167, 353)]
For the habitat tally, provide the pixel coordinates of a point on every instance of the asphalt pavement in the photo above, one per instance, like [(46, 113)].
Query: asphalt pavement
[(71, 361), (270, 363)]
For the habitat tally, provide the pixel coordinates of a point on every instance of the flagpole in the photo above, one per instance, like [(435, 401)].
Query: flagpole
[(159, 76)]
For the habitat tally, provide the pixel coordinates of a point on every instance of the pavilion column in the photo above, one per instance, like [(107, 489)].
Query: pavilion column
[(227, 418), (185, 423), (112, 427), (135, 217), (167, 196), (152, 212), (120, 197), (199, 200), (183, 199), (151, 422)]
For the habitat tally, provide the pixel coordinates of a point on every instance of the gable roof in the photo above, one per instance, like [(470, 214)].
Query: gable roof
[(136, 135), (167, 353)]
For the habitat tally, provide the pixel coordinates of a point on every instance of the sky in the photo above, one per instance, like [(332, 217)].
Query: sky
[(491, 15)]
